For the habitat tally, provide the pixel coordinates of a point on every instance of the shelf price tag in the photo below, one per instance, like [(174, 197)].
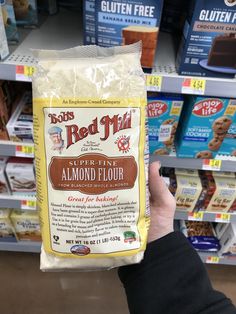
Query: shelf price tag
[(194, 86), (24, 151), (154, 83), (224, 217), (212, 260), (28, 204), (24, 73), (211, 164), (196, 216)]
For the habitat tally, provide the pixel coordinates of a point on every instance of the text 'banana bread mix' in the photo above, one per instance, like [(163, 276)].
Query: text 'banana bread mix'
[(91, 166)]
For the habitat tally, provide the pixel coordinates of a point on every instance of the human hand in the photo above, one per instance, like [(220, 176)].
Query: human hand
[(162, 205)]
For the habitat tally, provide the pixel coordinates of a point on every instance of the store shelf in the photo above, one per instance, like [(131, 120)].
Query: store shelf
[(204, 216), (213, 258), (30, 247), (27, 202), (8, 148)]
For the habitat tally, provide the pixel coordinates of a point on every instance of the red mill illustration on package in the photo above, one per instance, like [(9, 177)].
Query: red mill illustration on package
[(89, 125)]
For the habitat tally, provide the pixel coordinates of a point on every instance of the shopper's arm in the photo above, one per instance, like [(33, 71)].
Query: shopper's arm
[(171, 279)]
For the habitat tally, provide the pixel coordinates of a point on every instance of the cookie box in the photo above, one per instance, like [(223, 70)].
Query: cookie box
[(89, 22), (128, 22), (20, 174), (208, 45), (9, 21), (163, 117), (26, 12), (4, 50), (4, 187), (7, 233), (188, 189), (225, 192), (26, 225), (228, 241), (20, 125), (206, 121)]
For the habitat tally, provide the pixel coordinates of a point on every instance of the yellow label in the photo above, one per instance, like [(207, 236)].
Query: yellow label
[(224, 217), (213, 259), (196, 216), (22, 150), (211, 164), (28, 70), (198, 85), (154, 82), (28, 204), (230, 111), (81, 146)]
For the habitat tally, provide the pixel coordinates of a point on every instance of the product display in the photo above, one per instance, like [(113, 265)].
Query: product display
[(220, 229), (228, 241), (20, 125), (4, 187), (4, 50), (4, 110), (208, 46), (91, 149), (208, 190), (26, 12), (201, 235), (206, 122), (9, 21), (228, 147), (7, 233), (163, 117), (20, 174), (89, 30), (26, 225)]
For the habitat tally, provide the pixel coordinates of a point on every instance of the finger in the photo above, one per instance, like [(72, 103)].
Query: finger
[(157, 185)]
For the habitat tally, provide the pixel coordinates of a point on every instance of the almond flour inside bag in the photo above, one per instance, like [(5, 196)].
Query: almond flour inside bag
[(89, 130)]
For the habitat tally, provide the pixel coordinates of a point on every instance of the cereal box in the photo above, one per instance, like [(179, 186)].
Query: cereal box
[(4, 187), (26, 224), (188, 189), (206, 121), (4, 50), (9, 21), (7, 233), (163, 117), (26, 12), (228, 241)]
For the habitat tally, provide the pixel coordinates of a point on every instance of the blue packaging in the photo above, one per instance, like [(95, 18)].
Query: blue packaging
[(9, 21), (26, 12), (208, 21), (89, 22), (205, 123), (163, 117)]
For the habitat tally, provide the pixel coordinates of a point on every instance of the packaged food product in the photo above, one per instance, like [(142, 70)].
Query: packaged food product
[(208, 46), (163, 117), (220, 229), (26, 12), (20, 125), (89, 129), (7, 233), (9, 21), (225, 192), (208, 190), (206, 121), (89, 31), (201, 235), (188, 189), (26, 225), (4, 50), (20, 174), (228, 241), (4, 187)]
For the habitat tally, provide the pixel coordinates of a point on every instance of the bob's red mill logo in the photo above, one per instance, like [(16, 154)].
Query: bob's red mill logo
[(106, 126)]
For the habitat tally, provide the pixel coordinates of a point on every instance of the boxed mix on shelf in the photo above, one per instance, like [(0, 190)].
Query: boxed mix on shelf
[(4, 187), (208, 190), (206, 122), (26, 225), (163, 117), (26, 12), (208, 46), (7, 233), (228, 147), (125, 22), (4, 50), (20, 125), (20, 174), (228, 240), (9, 21), (201, 235)]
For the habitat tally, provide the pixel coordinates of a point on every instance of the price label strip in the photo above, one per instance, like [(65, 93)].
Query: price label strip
[(24, 151), (24, 73), (224, 217), (196, 216), (211, 164), (193, 86), (154, 83), (213, 260), (28, 204)]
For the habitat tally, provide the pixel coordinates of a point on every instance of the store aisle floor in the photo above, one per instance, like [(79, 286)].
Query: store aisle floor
[(25, 289)]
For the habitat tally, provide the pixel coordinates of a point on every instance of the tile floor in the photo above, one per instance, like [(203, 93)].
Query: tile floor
[(26, 290)]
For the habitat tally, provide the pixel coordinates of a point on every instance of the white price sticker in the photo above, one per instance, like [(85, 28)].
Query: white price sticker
[(164, 133)]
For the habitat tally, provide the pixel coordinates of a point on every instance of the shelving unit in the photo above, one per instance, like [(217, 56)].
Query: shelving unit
[(206, 216), (8, 148), (213, 258), (30, 247), (27, 202)]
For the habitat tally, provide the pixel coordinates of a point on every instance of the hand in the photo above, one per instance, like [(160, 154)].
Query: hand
[(162, 205)]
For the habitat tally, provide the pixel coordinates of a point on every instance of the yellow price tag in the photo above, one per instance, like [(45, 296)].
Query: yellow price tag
[(24, 73), (28, 70), (154, 83), (196, 216), (24, 151), (194, 86), (224, 217), (28, 204), (213, 259), (211, 164)]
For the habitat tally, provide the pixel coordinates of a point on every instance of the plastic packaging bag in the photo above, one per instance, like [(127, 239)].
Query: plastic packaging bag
[(89, 130)]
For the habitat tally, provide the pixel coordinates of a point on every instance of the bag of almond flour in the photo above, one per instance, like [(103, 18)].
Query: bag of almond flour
[(91, 167)]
